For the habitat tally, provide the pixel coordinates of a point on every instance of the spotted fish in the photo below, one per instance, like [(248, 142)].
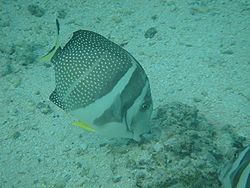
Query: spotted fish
[(236, 173), (101, 85)]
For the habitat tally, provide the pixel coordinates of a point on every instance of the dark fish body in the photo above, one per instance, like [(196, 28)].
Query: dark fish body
[(102, 85)]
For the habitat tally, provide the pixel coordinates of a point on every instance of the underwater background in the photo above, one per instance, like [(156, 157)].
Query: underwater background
[(196, 54)]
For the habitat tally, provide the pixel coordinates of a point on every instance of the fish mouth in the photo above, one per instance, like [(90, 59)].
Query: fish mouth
[(132, 126), (128, 127)]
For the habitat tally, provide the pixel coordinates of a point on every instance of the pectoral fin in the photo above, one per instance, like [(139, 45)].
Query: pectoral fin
[(84, 126)]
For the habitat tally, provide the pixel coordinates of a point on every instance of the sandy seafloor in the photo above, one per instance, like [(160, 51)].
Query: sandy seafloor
[(198, 62)]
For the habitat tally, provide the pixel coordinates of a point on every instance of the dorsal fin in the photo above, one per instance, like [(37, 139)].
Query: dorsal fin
[(51, 53)]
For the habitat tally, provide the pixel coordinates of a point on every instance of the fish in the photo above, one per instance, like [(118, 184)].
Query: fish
[(236, 172), (102, 85)]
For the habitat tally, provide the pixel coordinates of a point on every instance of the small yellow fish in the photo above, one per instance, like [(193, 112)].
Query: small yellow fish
[(84, 126)]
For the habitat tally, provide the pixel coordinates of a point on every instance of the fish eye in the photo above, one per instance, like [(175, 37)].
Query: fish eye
[(235, 155), (145, 106)]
